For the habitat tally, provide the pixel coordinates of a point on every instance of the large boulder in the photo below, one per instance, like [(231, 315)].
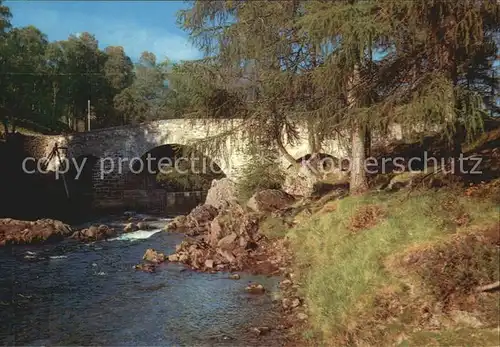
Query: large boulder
[(217, 231), (196, 222), (227, 241), (94, 233), (153, 256), (309, 178), (130, 227), (143, 226), (270, 200), (13, 231), (404, 180), (222, 192), (300, 182), (203, 213), (178, 224)]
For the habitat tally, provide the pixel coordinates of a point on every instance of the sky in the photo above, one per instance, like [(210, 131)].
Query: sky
[(136, 25)]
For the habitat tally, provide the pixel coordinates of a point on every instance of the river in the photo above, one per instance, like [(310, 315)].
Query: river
[(89, 294)]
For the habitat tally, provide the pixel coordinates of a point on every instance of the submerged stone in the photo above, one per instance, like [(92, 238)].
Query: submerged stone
[(255, 288)]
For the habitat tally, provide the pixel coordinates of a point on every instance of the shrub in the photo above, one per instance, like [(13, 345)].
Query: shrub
[(187, 180), (366, 217), (257, 176), (456, 267)]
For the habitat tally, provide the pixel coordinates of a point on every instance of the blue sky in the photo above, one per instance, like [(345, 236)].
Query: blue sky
[(136, 25)]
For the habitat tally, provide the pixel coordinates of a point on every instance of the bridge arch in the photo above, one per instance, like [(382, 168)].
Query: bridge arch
[(172, 167)]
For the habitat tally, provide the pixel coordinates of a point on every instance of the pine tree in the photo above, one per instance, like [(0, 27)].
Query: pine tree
[(346, 64), (426, 51), (260, 65)]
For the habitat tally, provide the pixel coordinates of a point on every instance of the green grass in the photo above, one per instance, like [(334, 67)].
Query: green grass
[(343, 271), (458, 337), (273, 227)]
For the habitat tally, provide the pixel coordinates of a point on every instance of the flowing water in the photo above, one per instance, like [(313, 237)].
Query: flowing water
[(89, 294)]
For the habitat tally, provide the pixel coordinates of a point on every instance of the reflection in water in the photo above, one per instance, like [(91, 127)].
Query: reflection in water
[(88, 294)]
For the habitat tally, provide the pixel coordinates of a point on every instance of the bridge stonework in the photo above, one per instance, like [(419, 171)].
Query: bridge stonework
[(114, 145)]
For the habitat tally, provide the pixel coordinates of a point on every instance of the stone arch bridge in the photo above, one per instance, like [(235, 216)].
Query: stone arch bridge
[(112, 145)]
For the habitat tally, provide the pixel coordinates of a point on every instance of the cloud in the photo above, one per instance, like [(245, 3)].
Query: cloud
[(110, 30)]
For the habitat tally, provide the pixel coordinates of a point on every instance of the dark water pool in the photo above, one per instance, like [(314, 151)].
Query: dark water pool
[(89, 294)]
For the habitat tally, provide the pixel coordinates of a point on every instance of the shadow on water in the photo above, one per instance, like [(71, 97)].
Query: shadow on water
[(89, 294)]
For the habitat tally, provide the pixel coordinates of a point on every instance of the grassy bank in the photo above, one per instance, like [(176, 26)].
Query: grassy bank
[(388, 268)]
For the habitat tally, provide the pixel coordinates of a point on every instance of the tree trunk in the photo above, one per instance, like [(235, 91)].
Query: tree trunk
[(368, 143), (458, 139), (285, 153), (359, 183), (312, 139)]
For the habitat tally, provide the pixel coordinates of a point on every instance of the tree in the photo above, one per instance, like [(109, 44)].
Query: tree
[(194, 92), (425, 51), (118, 71), (145, 98), (84, 78), (118, 68), (5, 17), (49, 84), (23, 85), (451, 46), (301, 75), (348, 33), (5, 25), (80, 72), (258, 69), (359, 65)]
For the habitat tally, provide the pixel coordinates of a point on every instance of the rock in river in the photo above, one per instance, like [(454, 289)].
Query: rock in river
[(130, 227), (143, 226), (153, 256), (145, 267), (13, 231), (255, 288), (94, 233)]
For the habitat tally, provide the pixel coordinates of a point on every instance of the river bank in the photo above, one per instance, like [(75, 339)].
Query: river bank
[(399, 269)]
